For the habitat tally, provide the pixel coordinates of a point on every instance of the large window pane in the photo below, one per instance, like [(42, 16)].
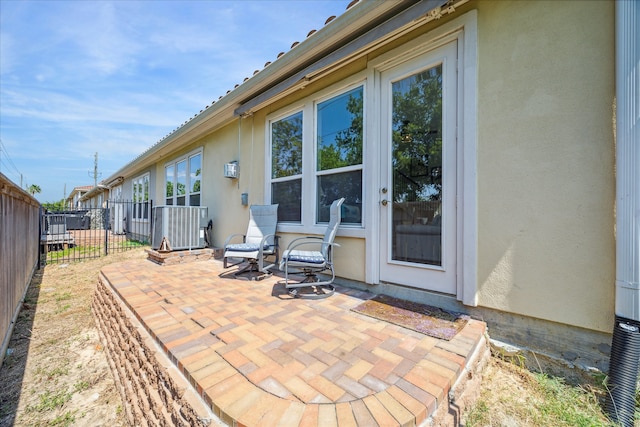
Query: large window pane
[(335, 186), (286, 147), (168, 177), (288, 194), (181, 178), (195, 171), (340, 131)]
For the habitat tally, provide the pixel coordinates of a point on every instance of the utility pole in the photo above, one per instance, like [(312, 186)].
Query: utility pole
[(95, 171)]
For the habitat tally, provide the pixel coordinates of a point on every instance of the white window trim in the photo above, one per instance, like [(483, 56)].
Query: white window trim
[(135, 203), (308, 107), (174, 162), (115, 194), (464, 30)]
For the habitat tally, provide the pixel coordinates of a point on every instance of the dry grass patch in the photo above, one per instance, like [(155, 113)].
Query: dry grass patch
[(516, 397), (57, 372)]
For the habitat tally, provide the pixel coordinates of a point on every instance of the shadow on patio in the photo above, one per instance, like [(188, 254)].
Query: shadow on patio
[(189, 344)]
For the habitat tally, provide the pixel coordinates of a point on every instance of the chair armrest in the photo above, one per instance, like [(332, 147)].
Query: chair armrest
[(276, 246), (226, 242), (264, 242), (308, 239), (321, 242)]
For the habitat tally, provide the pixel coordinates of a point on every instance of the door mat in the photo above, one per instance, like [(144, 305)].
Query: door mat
[(426, 319)]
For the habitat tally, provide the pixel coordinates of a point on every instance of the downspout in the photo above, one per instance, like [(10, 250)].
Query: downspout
[(625, 348)]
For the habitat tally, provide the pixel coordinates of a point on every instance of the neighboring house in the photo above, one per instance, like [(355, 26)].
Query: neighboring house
[(96, 197), (473, 141), (73, 201)]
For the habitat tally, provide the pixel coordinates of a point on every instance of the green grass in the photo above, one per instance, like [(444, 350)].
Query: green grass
[(75, 252), (81, 386), (48, 401), (82, 252), (568, 405), (535, 399), (66, 419)]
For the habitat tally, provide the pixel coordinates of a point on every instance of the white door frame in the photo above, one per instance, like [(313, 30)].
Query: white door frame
[(464, 30), (439, 278)]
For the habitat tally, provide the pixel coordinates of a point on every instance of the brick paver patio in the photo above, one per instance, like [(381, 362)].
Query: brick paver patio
[(257, 357)]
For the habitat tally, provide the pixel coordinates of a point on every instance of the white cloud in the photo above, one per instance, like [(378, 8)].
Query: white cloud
[(115, 77)]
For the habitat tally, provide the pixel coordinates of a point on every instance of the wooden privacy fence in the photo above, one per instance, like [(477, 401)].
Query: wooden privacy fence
[(19, 249)]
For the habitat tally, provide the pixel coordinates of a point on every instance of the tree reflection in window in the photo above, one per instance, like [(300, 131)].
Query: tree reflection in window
[(339, 155), (340, 131), (417, 137), (286, 167), (286, 152)]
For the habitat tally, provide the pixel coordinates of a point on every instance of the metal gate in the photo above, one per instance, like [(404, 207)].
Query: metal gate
[(85, 233)]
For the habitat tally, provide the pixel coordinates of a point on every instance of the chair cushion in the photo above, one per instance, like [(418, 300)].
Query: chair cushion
[(245, 247), (309, 257)]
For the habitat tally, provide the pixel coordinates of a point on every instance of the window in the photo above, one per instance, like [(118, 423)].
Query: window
[(116, 193), (141, 197), (182, 180), (339, 156), (195, 175), (324, 163), (286, 167)]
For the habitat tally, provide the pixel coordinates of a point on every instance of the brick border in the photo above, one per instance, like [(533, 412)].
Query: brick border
[(153, 391), (182, 257)]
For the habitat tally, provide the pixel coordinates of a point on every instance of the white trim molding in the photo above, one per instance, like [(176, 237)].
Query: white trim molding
[(464, 30)]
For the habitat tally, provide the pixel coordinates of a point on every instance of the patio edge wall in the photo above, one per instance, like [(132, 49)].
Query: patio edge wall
[(153, 391)]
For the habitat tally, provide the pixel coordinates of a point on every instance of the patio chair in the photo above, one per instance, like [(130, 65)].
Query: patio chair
[(257, 245), (310, 255)]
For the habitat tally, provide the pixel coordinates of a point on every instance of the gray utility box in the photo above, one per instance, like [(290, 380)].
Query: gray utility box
[(183, 226)]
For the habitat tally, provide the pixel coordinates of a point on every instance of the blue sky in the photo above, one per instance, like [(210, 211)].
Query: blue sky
[(114, 77)]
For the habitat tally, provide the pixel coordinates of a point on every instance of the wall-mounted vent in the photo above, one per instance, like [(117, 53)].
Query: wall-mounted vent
[(231, 170), (183, 226)]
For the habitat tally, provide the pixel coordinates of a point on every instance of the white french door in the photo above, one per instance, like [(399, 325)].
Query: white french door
[(418, 218)]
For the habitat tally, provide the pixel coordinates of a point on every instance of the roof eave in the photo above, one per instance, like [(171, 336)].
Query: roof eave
[(342, 30)]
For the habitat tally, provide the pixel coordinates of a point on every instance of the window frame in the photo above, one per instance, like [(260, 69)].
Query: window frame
[(141, 210), (186, 158), (115, 194), (341, 169), (295, 177), (308, 107)]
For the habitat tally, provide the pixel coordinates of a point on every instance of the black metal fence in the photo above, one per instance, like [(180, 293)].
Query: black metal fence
[(74, 235)]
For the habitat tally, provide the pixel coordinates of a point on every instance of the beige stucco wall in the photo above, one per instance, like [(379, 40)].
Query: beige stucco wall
[(244, 141), (546, 184), (545, 162)]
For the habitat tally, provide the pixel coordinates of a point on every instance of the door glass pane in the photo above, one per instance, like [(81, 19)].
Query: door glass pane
[(417, 168)]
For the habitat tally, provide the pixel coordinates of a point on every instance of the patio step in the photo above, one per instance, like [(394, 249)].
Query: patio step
[(191, 345)]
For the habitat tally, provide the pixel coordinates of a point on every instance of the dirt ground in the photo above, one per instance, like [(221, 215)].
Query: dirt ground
[(56, 371)]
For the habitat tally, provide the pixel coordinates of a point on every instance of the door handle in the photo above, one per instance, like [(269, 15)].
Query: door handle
[(384, 202)]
